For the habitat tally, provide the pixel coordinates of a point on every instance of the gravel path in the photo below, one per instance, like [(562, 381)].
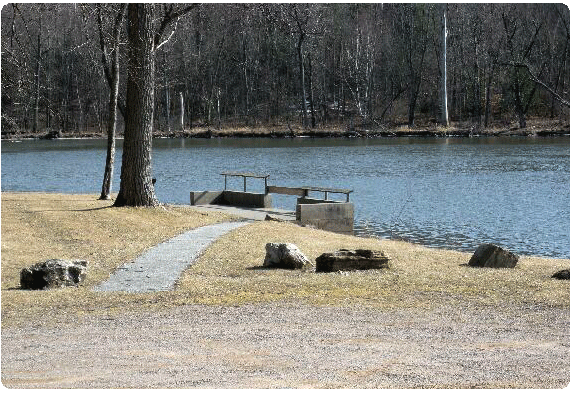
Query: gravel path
[(295, 346), (159, 268)]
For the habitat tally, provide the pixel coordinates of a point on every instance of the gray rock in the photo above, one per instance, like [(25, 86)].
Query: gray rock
[(490, 255), (351, 260), (284, 256), (53, 273), (562, 274), (270, 218)]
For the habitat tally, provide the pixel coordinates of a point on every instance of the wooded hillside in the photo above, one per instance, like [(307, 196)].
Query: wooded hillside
[(303, 65)]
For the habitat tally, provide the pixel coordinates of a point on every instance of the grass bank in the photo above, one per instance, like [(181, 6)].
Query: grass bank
[(38, 226)]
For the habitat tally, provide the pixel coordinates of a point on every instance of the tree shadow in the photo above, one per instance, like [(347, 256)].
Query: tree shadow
[(71, 210), (93, 209)]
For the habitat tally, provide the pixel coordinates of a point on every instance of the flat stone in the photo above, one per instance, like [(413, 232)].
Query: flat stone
[(490, 255), (347, 260)]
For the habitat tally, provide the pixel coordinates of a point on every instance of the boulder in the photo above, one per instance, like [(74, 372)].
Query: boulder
[(490, 255), (53, 273), (351, 260), (562, 274), (284, 256)]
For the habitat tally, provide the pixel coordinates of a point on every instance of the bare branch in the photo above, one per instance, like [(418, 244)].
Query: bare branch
[(171, 17), (537, 80)]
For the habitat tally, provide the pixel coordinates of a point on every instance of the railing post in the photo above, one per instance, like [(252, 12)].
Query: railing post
[(244, 177)]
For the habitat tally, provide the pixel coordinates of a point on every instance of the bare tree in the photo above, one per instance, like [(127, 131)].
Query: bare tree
[(110, 58)]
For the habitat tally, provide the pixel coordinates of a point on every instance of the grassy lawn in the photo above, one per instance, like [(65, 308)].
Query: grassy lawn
[(36, 227)]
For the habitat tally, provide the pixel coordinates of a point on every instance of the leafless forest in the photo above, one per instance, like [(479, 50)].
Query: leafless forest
[(309, 65)]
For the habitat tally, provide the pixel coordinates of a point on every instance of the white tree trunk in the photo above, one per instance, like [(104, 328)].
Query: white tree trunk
[(182, 112), (443, 60)]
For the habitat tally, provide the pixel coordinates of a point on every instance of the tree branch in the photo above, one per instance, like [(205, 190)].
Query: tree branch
[(537, 80), (169, 18)]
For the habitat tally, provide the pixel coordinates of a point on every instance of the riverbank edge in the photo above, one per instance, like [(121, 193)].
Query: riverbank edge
[(281, 131)]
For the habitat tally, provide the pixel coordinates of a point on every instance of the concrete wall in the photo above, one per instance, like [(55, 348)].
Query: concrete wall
[(329, 216), (247, 199), (304, 201), (231, 198), (205, 197)]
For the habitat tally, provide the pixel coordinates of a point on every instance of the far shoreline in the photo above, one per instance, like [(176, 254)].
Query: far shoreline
[(535, 128)]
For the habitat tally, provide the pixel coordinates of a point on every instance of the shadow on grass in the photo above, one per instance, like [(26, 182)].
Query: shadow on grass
[(260, 268), (71, 210)]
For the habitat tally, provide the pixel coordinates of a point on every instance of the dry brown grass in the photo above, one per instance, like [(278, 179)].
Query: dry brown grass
[(229, 272), (36, 227)]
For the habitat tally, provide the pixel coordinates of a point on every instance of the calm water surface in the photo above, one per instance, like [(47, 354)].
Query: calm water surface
[(442, 192)]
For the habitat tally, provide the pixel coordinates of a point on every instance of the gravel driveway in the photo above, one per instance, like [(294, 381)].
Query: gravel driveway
[(292, 346)]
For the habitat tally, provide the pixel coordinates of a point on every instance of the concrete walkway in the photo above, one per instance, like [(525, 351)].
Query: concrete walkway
[(251, 213), (159, 268)]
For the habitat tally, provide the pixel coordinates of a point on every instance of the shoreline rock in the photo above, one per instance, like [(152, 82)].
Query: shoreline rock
[(490, 255), (562, 274)]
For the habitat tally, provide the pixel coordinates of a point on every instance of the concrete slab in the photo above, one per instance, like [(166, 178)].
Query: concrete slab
[(251, 213)]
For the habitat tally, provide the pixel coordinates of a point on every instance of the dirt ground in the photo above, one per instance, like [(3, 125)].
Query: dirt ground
[(295, 346)]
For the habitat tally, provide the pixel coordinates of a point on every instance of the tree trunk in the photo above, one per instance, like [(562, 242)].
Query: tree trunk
[(136, 188), (112, 74), (411, 108), (182, 112), (519, 107), (37, 82), (167, 106), (302, 79), (443, 60), (488, 96), (111, 126), (312, 111)]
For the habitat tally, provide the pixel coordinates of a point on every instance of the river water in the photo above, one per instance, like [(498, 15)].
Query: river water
[(441, 192)]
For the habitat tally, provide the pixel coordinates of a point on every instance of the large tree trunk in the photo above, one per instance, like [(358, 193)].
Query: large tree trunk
[(136, 187)]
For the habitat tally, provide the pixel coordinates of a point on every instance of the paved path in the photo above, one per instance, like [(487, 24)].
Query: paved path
[(159, 268)]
